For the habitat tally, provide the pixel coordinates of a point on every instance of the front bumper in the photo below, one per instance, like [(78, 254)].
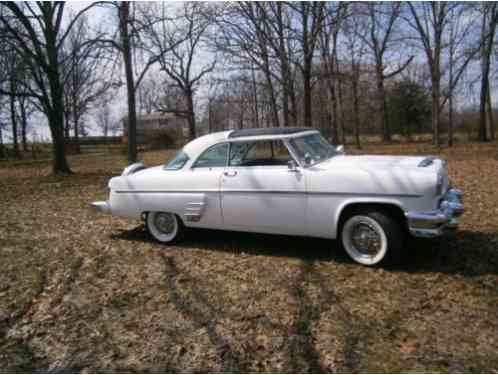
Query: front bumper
[(102, 206), (435, 223)]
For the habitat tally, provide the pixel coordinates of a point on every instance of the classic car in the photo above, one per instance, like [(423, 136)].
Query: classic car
[(290, 181)]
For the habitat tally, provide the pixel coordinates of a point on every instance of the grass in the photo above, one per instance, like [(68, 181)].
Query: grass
[(83, 292)]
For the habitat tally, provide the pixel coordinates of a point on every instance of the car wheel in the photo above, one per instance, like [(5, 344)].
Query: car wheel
[(372, 238), (165, 227)]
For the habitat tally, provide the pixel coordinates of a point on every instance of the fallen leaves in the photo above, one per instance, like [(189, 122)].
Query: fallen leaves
[(83, 292)]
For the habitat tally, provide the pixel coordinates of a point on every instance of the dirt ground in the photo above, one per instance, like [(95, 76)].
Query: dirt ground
[(82, 292)]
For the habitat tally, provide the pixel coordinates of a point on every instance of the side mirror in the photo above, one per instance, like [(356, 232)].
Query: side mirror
[(292, 166), (307, 159), (340, 149)]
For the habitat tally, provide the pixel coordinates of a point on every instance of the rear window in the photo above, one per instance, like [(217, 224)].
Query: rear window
[(177, 162)]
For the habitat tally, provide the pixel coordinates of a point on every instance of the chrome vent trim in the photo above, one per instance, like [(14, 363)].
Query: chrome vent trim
[(194, 211)]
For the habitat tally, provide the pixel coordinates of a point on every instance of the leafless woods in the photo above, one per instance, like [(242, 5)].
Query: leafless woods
[(349, 69)]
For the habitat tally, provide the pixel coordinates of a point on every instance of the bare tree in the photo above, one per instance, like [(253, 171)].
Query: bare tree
[(130, 39), (462, 48), (177, 45), (14, 72), (149, 94), (26, 109), (273, 24), (489, 23), (310, 21), (381, 40), (36, 33), (86, 75), (334, 18), (356, 48), (104, 119), (126, 51), (244, 38), (429, 21)]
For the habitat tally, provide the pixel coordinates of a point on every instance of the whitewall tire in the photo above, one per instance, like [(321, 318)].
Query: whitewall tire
[(371, 238), (165, 227)]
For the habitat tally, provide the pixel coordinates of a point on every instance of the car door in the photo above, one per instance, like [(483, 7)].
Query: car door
[(259, 193)]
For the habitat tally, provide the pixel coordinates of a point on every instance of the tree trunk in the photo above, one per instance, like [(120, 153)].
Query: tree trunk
[(13, 121), (487, 45), (210, 116), (273, 101), (255, 99), (55, 112), (2, 148), (450, 118), (66, 125), (491, 123), (381, 92), (435, 108), (450, 99), (124, 12), (285, 106), (483, 136), (56, 124), (191, 114), (76, 122), (308, 121), (24, 126), (356, 107), (332, 110), (343, 110)]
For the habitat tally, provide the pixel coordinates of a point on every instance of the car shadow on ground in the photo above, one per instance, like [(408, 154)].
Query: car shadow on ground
[(466, 253)]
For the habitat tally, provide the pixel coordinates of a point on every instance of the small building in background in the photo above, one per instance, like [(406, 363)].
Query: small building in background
[(159, 130)]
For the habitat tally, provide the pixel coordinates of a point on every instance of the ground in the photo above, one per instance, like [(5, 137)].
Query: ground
[(80, 291)]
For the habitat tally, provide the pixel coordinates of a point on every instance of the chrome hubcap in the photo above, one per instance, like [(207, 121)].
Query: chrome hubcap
[(164, 222), (366, 239)]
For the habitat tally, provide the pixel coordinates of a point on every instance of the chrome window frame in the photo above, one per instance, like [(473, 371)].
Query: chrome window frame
[(284, 142)]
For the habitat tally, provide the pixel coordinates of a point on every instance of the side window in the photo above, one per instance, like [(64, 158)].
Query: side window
[(260, 150), (177, 162), (215, 156), (262, 153)]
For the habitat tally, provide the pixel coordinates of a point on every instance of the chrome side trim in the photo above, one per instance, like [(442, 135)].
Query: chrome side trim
[(163, 191), (263, 191)]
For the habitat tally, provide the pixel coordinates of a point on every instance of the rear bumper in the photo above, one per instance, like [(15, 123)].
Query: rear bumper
[(102, 206), (434, 223)]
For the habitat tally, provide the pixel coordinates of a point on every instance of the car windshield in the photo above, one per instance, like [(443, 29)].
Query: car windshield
[(177, 162), (313, 147)]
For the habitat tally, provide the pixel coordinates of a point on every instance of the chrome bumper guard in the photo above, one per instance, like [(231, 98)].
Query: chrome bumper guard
[(435, 223), (102, 206)]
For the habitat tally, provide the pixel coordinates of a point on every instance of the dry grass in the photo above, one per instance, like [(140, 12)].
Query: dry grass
[(82, 292)]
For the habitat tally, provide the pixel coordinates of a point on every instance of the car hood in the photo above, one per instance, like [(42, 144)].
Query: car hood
[(379, 162), (376, 174)]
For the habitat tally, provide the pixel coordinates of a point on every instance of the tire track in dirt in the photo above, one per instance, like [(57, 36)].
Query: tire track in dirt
[(231, 360)]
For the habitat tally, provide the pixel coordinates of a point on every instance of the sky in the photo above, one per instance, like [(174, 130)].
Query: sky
[(102, 17)]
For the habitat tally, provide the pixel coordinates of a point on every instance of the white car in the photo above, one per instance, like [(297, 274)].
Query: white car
[(290, 181)]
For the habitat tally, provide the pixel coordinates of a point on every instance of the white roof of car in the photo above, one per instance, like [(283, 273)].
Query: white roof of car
[(194, 148)]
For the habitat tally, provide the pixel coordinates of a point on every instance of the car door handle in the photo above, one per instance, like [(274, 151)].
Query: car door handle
[(230, 173)]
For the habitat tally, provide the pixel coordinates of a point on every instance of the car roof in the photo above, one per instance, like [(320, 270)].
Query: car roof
[(266, 131), (194, 148)]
